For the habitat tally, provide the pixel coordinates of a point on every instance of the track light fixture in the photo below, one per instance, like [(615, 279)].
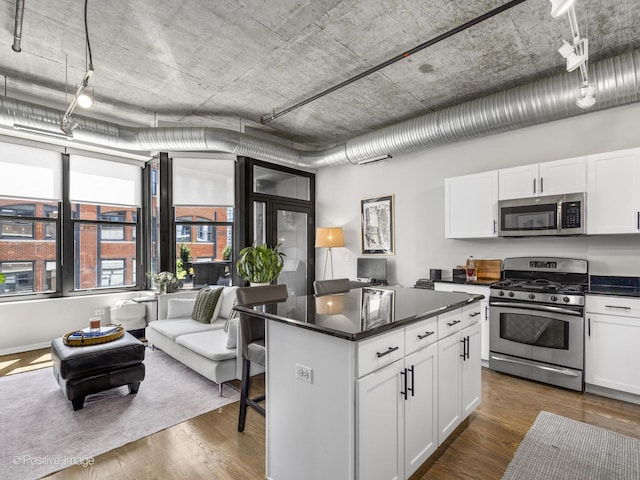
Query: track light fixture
[(576, 52), (84, 94)]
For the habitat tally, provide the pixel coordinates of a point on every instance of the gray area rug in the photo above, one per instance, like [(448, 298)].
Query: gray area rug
[(560, 448), (41, 434)]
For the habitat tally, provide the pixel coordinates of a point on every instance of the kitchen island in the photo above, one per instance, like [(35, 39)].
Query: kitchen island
[(367, 384)]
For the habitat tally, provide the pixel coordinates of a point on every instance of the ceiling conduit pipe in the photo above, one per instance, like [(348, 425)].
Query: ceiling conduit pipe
[(17, 30), (545, 100)]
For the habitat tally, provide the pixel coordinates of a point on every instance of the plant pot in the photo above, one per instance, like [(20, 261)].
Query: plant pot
[(258, 284)]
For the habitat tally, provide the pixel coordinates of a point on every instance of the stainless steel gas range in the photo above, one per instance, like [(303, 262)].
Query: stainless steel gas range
[(537, 320)]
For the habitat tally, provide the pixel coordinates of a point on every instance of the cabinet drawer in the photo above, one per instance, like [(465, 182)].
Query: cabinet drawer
[(449, 323), (379, 351), (471, 314), (611, 305), (420, 334)]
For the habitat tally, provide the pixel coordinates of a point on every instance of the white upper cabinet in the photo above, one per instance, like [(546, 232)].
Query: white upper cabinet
[(541, 179), (471, 206), (613, 192)]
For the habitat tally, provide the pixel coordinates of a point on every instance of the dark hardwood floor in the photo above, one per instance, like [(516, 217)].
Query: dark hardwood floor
[(210, 447)]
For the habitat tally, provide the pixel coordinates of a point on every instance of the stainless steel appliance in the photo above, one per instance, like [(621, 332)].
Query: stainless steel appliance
[(550, 215), (537, 320)]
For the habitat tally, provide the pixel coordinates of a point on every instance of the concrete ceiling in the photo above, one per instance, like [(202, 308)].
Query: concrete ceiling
[(227, 63)]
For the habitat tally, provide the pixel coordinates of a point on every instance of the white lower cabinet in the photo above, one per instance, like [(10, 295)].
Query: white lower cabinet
[(397, 417), (459, 383), (612, 337)]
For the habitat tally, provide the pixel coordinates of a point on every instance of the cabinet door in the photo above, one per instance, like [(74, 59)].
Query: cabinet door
[(471, 370), (449, 385), (613, 192), (421, 407), (611, 352), (562, 176), (518, 182), (471, 206), (380, 425)]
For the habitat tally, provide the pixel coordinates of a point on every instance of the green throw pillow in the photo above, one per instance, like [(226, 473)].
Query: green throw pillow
[(205, 305)]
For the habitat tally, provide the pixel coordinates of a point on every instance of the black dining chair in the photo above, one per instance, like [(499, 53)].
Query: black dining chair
[(252, 336), (325, 287)]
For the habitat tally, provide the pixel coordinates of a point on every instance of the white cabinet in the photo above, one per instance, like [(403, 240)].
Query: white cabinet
[(613, 192), (611, 343), (396, 425), (459, 379), (471, 206), (380, 424), (548, 178), (482, 308)]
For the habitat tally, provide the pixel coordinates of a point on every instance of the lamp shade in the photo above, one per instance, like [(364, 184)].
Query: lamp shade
[(329, 237), (330, 304)]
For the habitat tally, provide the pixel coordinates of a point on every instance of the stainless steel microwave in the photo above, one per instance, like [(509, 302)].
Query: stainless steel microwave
[(550, 215)]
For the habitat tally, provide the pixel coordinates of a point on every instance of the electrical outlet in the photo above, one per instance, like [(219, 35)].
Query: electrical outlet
[(99, 312), (304, 373), (346, 257)]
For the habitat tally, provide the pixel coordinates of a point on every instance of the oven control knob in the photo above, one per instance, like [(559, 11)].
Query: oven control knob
[(566, 299), (501, 293), (553, 298), (511, 294), (532, 296)]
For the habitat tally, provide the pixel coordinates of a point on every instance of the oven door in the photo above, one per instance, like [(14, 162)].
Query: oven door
[(549, 334)]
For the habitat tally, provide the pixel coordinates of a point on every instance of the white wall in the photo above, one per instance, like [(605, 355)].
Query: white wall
[(27, 325), (417, 182)]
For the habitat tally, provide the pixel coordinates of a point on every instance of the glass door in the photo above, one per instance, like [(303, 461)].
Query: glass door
[(293, 236)]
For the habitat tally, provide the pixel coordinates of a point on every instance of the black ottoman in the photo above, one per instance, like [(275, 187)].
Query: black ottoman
[(81, 371)]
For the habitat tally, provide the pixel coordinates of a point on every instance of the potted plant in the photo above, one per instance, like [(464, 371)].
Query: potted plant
[(260, 264), (226, 253), (162, 280)]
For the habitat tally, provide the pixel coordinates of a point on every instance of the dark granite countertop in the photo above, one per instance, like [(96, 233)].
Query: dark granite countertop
[(363, 312), (613, 285)]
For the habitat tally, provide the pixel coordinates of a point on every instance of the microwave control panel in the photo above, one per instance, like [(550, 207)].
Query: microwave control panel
[(571, 215)]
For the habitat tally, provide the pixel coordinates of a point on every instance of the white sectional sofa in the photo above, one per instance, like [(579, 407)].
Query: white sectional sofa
[(206, 348)]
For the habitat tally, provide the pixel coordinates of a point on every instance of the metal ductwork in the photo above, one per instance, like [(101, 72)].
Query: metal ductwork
[(553, 98), (17, 30)]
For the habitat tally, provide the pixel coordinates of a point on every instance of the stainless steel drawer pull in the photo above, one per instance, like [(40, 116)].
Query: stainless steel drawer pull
[(455, 322), (391, 349), (426, 334), (616, 306), (474, 314)]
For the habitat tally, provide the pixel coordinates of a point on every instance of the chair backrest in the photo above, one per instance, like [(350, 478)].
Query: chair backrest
[(324, 287), (251, 327)]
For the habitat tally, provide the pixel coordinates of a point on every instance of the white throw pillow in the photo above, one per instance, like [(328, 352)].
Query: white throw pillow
[(180, 307), (232, 333), (216, 311), (228, 301)]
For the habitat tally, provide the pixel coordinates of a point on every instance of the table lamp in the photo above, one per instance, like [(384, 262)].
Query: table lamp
[(329, 237)]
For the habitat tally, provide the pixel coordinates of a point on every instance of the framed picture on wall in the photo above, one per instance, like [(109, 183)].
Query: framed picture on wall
[(377, 226)]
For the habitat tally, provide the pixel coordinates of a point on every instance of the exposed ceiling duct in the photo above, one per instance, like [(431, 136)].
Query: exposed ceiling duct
[(553, 98)]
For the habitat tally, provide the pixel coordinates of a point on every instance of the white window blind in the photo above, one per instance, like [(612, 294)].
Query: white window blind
[(203, 181), (100, 181), (29, 172)]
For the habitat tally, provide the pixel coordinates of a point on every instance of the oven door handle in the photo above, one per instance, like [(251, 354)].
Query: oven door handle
[(533, 306), (562, 371)]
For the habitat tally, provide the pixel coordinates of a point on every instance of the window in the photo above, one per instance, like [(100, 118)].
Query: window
[(50, 276), (18, 277), (105, 197), (113, 273), (183, 231), (17, 228)]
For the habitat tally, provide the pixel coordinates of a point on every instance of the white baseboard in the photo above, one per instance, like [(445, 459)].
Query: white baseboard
[(25, 348), (615, 394)]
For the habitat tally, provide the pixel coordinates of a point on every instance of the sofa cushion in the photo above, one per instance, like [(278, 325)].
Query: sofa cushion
[(180, 307), (206, 303), (231, 327), (208, 344), (173, 328), (229, 301)]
